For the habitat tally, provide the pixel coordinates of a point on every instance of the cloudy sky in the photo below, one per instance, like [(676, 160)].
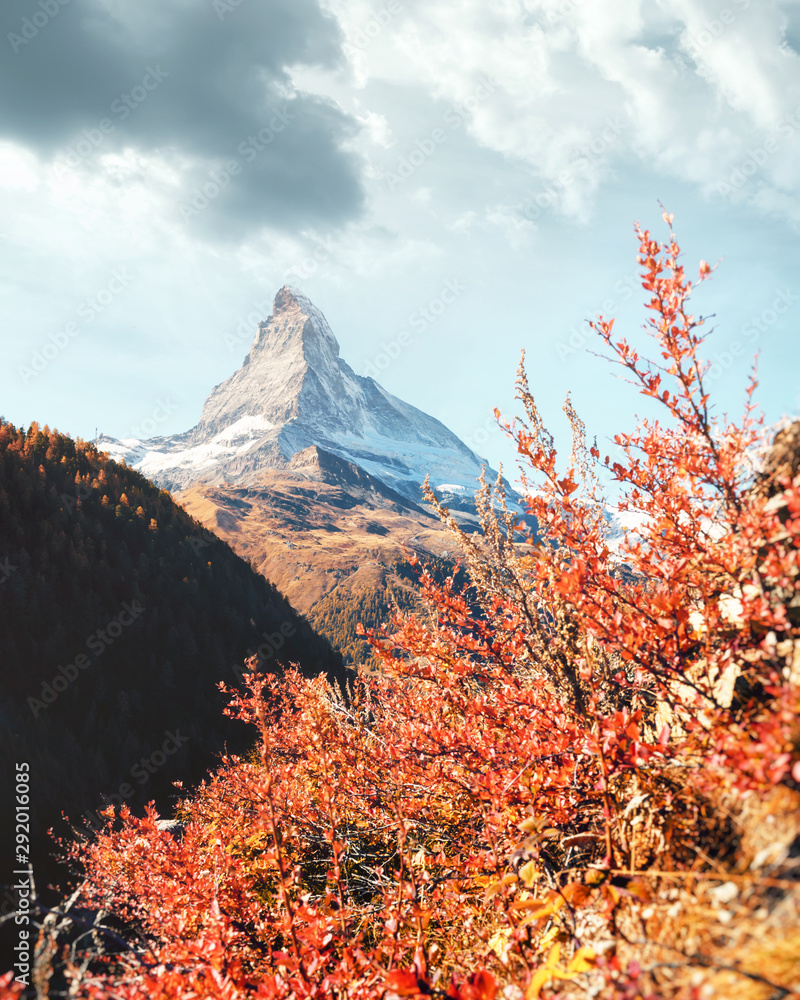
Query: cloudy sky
[(449, 182)]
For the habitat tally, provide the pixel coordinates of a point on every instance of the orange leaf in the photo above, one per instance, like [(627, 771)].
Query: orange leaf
[(582, 961), (576, 893), (404, 984), (483, 986)]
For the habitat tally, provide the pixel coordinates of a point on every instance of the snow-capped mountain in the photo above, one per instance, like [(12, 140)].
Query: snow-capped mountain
[(294, 391)]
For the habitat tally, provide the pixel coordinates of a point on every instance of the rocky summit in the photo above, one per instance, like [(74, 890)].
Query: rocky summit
[(292, 392)]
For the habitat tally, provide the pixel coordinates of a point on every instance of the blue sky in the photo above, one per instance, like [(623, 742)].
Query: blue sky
[(465, 174)]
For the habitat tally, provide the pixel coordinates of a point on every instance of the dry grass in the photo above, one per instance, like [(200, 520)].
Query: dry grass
[(308, 537)]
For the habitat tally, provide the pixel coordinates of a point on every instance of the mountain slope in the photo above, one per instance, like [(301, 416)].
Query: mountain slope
[(119, 615), (294, 391), (317, 525)]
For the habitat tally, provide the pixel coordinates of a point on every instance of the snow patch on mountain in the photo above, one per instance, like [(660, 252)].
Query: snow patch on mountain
[(245, 428), (622, 525)]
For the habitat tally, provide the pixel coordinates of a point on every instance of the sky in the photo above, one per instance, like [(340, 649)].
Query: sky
[(450, 183)]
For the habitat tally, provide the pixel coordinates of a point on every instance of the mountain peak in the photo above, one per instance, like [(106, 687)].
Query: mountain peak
[(289, 299), (297, 323), (292, 392)]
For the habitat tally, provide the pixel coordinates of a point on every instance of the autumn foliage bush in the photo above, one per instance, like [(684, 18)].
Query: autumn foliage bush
[(554, 784)]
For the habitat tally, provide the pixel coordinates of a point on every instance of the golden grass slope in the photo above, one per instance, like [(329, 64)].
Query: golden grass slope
[(310, 537)]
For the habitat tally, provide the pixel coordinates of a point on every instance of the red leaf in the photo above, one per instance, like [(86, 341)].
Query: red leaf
[(405, 984), (484, 985)]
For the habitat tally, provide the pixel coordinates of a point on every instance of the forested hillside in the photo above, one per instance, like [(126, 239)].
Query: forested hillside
[(119, 615), (347, 612)]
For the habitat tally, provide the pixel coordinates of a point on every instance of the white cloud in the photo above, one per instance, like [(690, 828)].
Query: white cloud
[(686, 88), (738, 52), (422, 195), (376, 128), (518, 231), (464, 224), (17, 168)]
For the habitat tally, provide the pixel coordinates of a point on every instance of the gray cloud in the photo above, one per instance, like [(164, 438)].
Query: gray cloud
[(198, 81)]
